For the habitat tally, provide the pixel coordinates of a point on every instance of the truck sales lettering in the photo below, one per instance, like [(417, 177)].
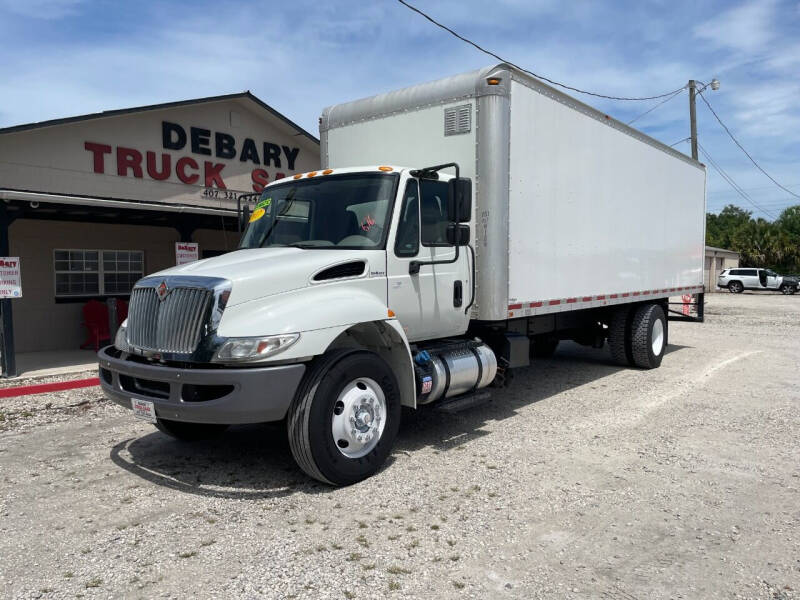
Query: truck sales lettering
[(188, 170)]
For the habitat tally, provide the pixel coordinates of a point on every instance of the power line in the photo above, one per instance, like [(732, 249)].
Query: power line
[(647, 112), (735, 141), (733, 184), (686, 139), (542, 77)]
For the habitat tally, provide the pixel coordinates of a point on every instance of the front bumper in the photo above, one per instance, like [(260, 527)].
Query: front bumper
[(224, 395)]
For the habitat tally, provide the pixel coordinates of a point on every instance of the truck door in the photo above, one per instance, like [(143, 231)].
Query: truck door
[(432, 303)]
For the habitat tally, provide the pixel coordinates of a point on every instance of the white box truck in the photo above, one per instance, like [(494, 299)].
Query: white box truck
[(505, 216)]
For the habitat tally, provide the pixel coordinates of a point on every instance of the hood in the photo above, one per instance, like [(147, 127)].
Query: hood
[(260, 272)]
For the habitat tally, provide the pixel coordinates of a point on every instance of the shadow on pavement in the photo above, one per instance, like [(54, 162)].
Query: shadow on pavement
[(255, 462)]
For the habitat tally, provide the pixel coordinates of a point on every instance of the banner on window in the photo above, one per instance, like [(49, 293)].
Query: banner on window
[(10, 279)]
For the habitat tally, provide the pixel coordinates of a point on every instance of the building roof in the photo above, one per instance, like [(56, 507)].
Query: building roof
[(125, 111), (713, 249)]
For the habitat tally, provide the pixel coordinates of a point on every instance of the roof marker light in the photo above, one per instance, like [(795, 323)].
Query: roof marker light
[(493, 81), (327, 171), (298, 176), (311, 174), (385, 169)]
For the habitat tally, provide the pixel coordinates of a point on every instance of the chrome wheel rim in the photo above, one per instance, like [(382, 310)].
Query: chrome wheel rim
[(658, 337), (359, 416)]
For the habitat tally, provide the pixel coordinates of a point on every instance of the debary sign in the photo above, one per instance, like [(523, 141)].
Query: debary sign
[(201, 142)]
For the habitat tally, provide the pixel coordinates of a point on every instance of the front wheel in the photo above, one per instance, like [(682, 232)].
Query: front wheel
[(787, 289), (345, 416)]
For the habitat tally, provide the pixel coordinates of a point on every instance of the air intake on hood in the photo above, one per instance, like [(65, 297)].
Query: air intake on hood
[(350, 269)]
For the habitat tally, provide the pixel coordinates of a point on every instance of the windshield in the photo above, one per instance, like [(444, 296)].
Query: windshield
[(332, 211)]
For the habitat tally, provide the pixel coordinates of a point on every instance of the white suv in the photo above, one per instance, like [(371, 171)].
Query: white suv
[(738, 280)]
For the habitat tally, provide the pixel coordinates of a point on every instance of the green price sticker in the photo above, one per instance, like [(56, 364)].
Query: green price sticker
[(264, 203)]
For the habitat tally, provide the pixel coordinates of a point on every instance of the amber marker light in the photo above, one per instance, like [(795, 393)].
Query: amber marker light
[(312, 174), (298, 176), (385, 169), (390, 313), (493, 81), (327, 171)]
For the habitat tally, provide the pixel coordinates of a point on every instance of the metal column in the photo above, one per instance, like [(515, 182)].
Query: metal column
[(8, 359)]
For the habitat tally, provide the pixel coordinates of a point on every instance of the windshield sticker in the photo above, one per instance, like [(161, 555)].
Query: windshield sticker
[(264, 203), (257, 214), (369, 221)]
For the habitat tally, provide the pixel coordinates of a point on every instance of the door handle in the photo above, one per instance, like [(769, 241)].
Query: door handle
[(458, 294)]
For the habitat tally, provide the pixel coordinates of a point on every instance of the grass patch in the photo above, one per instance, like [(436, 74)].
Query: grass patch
[(459, 585), (395, 570), (451, 543), (94, 582), (362, 525), (205, 543), (362, 539), (411, 528), (188, 554), (354, 556), (435, 527), (336, 546), (349, 595), (394, 537), (455, 557), (393, 585), (368, 567)]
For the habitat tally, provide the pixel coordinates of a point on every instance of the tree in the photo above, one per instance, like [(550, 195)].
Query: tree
[(760, 243), (721, 228), (789, 221)]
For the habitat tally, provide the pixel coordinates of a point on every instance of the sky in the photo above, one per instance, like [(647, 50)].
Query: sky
[(62, 58)]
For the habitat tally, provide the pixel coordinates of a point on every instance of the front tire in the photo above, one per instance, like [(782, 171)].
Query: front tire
[(648, 336), (787, 289), (190, 432), (345, 417), (735, 287)]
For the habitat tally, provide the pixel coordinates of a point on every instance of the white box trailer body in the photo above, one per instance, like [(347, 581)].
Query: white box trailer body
[(571, 208)]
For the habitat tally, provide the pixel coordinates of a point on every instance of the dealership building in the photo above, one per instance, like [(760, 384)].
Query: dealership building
[(90, 204)]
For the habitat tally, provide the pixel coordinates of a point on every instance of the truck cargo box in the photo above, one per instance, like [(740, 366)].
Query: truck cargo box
[(572, 209)]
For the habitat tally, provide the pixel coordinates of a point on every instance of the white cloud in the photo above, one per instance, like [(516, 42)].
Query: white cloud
[(749, 27)]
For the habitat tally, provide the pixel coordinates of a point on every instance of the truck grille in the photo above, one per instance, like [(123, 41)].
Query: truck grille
[(174, 324)]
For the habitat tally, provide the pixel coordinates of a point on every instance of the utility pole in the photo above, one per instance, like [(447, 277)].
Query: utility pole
[(693, 116)]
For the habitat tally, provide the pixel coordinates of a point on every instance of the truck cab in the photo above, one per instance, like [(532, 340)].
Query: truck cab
[(339, 272)]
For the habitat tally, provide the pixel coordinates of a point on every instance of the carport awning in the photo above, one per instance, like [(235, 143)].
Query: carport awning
[(49, 198)]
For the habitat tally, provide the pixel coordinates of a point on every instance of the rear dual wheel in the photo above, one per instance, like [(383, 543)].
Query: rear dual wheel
[(638, 336), (345, 416)]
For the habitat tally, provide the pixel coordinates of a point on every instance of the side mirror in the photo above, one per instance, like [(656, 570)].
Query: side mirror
[(457, 234), (459, 195), (244, 219)]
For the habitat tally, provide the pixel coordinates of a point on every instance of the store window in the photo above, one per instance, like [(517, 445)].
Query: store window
[(96, 272)]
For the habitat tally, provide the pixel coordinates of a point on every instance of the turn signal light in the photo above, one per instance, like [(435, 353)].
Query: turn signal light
[(493, 81), (386, 169)]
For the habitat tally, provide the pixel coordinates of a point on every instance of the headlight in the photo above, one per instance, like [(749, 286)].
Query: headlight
[(121, 339), (254, 348)]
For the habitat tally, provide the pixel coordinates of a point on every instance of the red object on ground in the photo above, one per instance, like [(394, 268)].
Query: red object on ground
[(95, 318), (41, 388)]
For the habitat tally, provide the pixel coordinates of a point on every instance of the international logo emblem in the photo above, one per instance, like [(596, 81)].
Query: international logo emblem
[(162, 291)]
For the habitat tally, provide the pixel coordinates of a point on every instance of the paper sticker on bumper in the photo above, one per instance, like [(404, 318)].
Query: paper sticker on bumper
[(142, 409)]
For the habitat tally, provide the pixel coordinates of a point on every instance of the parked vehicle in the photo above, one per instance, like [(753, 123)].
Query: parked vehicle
[(522, 217), (738, 280)]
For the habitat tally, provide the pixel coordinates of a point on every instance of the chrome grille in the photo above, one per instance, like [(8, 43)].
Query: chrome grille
[(172, 325)]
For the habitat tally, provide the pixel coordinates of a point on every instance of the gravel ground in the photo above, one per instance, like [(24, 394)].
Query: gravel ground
[(582, 480)]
